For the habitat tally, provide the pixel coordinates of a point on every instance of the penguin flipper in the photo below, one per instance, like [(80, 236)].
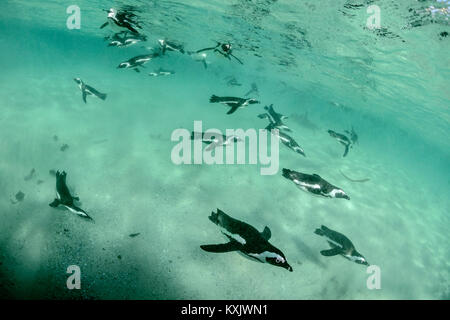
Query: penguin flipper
[(84, 96), (205, 49), (233, 109), (220, 248), (55, 203), (266, 234), (263, 116), (104, 25), (331, 252), (236, 58), (346, 150)]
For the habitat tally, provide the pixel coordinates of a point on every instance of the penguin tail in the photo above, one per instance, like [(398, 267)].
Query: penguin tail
[(102, 96), (55, 203), (319, 232), (214, 217), (214, 99)]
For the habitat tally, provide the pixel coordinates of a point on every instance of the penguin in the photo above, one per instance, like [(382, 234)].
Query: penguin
[(225, 49), (87, 90), (233, 102), (340, 244), (343, 139), (253, 90), (161, 72), (124, 39), (119, 21), (247, 240), (138, 61), (287, 140), (199, 57), (274, 118), (214, 140), (353, 136), (170, 46), (232, 81), (314, 184), (64, 198)]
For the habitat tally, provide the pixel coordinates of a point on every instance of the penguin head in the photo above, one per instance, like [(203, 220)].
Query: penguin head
[(123, 65), (112, 13), (339, 193), (226, 47), (279, 260), (77, 80), (359, 258), (252, 101)]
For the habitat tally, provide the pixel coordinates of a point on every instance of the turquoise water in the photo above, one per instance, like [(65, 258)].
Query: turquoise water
[(390, 84)]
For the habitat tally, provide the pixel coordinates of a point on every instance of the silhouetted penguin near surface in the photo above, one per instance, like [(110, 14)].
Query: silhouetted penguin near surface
[(119, 21), (340, 244), (246, 239), (225, 49)]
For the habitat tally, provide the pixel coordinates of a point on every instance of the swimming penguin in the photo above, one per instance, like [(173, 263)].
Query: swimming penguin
[(119, 21), (314, 184), (214, 140), (353, 136), (233, 102), (199, 57), (161, 72), (232, 81), (340, 244), (246, 239), (253, 90), (124, 39), (87, 90), (274, 118), (138, 61), (64, 198), (287, 140), (166, 45), (343, 139), (225, 49)]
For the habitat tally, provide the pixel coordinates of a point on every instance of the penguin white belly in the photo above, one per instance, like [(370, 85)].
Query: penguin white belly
[(80, 213), (234, 236)]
